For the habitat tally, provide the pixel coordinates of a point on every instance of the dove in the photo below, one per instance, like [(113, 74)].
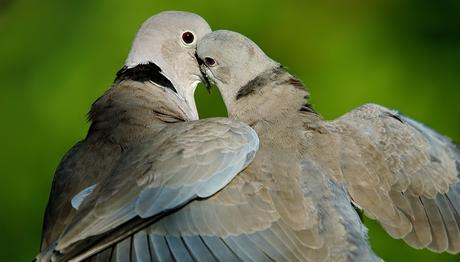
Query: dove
[(311, 172), (146, 153)]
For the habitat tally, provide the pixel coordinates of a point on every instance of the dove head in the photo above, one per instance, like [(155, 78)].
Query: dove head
[(165, 45), (231, 61)]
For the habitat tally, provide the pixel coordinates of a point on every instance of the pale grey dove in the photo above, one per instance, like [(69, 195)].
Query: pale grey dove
[(145, 155), (400, 172)]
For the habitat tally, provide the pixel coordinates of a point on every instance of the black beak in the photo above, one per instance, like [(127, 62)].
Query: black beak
[(204, 77)]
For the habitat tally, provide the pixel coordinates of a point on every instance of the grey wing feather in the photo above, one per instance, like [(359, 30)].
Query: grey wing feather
[(123, 250), (198, 248), (141, 249), (160, 248), (410, 177), (178, 249), (78, 198)]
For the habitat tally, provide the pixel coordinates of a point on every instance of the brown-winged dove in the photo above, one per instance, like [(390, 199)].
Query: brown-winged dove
[(145, 155), (308, 171)]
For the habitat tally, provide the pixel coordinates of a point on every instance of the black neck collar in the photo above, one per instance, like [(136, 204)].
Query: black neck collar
[(145, 73)]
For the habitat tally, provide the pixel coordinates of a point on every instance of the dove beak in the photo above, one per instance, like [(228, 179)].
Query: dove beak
[(203, 76)]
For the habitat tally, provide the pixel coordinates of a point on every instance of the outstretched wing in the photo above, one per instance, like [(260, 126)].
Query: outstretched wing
[(187, 161), (403, 174)]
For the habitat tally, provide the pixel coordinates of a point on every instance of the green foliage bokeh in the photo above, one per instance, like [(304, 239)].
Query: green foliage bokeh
[(57, 57)]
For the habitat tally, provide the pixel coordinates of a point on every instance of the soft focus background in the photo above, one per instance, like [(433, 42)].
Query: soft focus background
[(57, 57)]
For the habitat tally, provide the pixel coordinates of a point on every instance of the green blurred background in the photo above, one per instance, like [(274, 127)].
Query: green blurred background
[(57, 57)]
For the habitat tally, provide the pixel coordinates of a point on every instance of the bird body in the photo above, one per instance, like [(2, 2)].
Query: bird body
[(144, 135), (295, 165), (400, 172)]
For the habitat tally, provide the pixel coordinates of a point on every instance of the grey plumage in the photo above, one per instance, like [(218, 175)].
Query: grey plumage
[(169, 187), (145, 155), (400, 172), (120, 117), (78, 198)]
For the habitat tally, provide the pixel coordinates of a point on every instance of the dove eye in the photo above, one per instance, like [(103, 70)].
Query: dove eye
[(209, 61), (188, 37)]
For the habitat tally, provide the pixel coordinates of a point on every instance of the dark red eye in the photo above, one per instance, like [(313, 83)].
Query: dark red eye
[(209, 61), (188, 37)]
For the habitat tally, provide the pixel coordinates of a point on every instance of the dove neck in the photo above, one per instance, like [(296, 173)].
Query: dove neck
[(273, 96), (130, 111)]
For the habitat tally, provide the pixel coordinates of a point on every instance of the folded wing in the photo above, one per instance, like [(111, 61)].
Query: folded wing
[(263, 214), (187, 161), (245, 221)]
